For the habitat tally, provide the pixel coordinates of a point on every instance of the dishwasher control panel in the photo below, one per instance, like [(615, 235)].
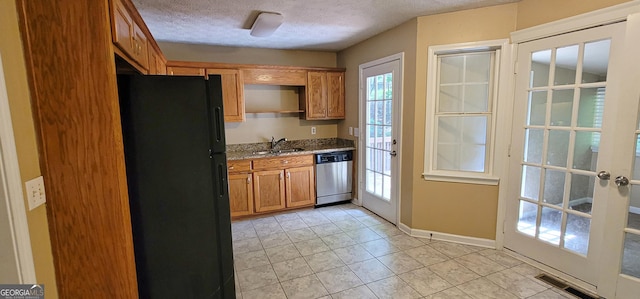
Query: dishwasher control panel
[(334, 157)]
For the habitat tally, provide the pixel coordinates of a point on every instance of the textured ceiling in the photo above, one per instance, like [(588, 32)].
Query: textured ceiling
[(330, 25)]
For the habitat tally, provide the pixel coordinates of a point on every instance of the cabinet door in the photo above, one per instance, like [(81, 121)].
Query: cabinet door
[(335, 95), (268, 190), (232, 93), (241, 194), (184, 71), (300, 187), (316, 95), (153, 65), (140, 52), (122, 27)]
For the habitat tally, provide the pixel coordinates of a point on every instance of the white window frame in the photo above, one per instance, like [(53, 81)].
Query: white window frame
[(489, 177)]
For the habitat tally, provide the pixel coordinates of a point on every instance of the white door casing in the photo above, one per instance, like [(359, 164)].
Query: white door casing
[(13, 212), (380, 137)]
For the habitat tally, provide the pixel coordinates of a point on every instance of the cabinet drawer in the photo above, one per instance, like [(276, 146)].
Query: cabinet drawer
[(282, 162), (239, 165)]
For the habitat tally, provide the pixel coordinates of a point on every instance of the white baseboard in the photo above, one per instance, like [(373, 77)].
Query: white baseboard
[(419, 233), (356, 202), (561, 275)]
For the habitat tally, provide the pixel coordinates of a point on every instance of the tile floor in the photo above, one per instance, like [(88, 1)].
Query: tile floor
[(346, 251)]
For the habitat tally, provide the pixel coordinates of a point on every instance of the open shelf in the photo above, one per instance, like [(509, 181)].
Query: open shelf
[(275, 111)]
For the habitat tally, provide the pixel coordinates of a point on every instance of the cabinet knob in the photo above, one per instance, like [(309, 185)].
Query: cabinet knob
[(285, 162), (231, 167), (248, 180)]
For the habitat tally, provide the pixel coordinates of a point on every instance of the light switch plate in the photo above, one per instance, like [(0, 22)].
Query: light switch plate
[(356, 132), (351, 131), (35, 192)]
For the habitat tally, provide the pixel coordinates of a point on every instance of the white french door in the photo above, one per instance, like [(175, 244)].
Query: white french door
[(620, 261), (380, 135), (563, 136)]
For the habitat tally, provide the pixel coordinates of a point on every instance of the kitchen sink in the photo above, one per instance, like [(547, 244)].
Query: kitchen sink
[(290, 150), (282, 151)]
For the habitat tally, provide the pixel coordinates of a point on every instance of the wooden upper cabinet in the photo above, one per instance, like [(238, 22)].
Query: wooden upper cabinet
[(156, 63), (324, 96), (316, 95), (127, 35), (335, 95), (185, 71), (232, 93), (286, 77)]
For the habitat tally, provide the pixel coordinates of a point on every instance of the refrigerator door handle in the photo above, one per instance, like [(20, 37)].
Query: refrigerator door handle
[(222, 172), (219, 123)]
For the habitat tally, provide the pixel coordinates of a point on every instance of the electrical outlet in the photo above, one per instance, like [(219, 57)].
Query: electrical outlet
[(35, 192), (313, 130), (351, 131)]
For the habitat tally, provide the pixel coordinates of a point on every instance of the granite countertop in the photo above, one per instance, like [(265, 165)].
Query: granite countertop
[(308, 146)]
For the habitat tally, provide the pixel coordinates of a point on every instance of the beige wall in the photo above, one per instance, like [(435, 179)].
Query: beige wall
[(397, 40), (536, 12), (260, 127), (25, 137), (460, 209)]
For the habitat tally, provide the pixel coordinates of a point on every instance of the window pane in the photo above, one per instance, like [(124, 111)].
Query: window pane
[(585, 156), (553, 187), (527, 218), (478, 67), (576, 235), (388, 115), (474, 129), (537, 108), (596, 58), (631, 256), (540, 66), (533, 146), (449, 130), (558, 148), (450, 98), (581, 194), (530, 182), (550, 223), (562, 107), (472, 157), (448, 157), (591, 107), (476, 98), (566, 63), (451, 69)]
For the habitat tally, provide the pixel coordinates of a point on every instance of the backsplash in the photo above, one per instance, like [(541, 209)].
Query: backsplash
[(303, 143)]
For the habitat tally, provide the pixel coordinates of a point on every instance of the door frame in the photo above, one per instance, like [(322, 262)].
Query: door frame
[(361, 126), (616, 13), (10, 178)]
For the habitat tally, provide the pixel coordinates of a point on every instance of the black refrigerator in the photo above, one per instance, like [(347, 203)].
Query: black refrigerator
[(173, 129)]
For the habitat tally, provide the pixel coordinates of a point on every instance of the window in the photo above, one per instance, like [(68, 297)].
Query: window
[(461, 118)]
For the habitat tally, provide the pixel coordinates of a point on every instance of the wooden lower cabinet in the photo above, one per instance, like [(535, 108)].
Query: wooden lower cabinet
[(268, 190), (241, 194), (300, 186), (271, 184)]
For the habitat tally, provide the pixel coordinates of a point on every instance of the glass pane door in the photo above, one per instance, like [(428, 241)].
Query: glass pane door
[(379, 120), (557, 203), (380, 140)]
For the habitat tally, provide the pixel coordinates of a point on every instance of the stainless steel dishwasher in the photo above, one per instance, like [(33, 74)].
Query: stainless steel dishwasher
[(333, 177)]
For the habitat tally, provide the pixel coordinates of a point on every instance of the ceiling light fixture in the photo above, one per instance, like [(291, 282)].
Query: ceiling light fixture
[(266, 23)]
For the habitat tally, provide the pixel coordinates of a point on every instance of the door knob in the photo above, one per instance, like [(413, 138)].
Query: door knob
[(622, 181), (393, 154), (604, 175)]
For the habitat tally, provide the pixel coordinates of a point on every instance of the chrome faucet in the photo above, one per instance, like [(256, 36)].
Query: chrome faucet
[(274, 143)]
